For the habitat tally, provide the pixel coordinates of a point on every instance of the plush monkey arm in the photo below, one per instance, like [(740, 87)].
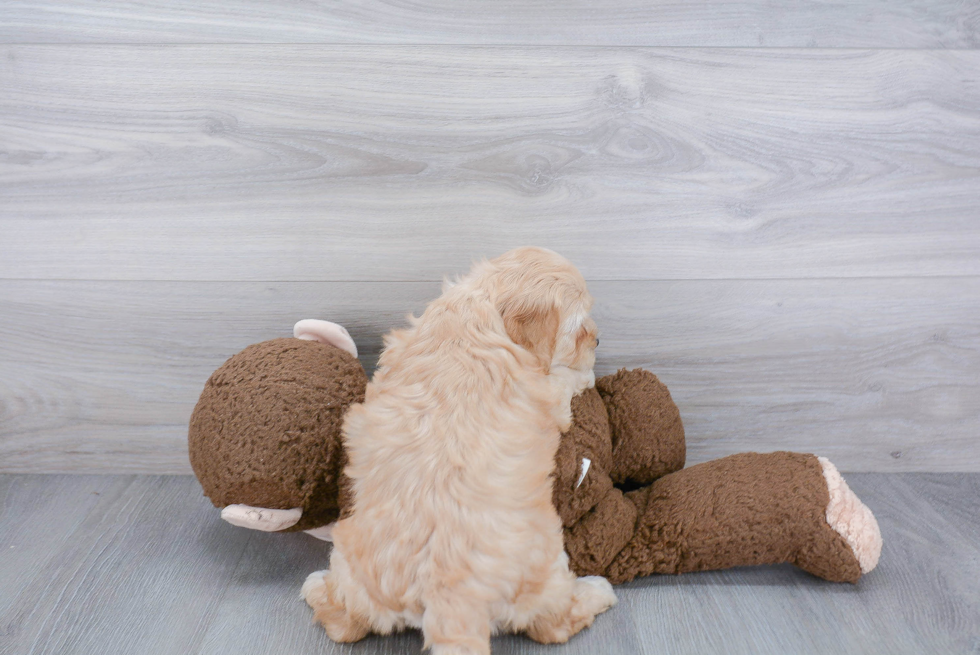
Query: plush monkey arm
[(583, 459), (594, 541), (749, 509)]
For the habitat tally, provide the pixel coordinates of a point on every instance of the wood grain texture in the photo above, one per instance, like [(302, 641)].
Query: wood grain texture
[(123, 564), (917, 600), (38, 518), (103, 376), (877, 374), (400, 163), (264, 593), (800, 23), (141, 569)]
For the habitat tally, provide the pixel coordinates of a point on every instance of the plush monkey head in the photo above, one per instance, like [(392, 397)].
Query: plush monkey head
[(266, 432)]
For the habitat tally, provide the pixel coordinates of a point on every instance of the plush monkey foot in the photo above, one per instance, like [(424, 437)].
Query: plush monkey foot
[(750, 509), (851, 519)]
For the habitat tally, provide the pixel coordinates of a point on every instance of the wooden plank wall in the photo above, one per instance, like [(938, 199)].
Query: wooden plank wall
[(778, 211)]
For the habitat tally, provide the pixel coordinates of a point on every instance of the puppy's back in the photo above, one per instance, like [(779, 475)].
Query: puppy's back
[(450, 457)]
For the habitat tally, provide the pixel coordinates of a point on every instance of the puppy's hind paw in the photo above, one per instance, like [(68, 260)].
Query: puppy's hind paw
[(593, 595), (313, 586), (329, 609)]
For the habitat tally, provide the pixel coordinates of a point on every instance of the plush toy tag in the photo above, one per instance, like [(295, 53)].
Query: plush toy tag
[(586, 463)]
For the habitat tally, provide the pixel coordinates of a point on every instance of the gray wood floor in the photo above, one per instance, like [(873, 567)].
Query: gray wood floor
[(142, 564)]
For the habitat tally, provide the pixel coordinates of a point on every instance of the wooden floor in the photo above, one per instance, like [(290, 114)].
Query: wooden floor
[(142, 564)]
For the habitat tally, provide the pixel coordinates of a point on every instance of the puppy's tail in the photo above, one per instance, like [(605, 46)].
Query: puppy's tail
[(455, 625)]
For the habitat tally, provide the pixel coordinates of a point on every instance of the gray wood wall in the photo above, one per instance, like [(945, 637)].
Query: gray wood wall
[(778, 210)]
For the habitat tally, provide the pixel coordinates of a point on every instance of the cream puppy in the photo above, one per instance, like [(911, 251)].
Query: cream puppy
[(453, 530)]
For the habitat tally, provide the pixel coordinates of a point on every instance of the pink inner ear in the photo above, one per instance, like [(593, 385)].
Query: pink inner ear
[(312, 329)]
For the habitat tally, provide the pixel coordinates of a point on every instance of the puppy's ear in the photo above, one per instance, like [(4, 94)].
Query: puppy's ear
[(534, 328)]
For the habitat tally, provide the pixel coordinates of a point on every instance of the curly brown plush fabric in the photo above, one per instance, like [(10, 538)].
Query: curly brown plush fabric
[(631, 431), (647, 433), (744, 509), (266, 433), (266, 430), (588, 437)]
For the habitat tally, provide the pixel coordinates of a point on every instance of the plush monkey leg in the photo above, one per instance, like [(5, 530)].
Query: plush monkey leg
[(647, 432), (750, 509)]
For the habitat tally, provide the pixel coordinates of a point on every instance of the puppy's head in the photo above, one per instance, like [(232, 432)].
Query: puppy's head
[(544, 304)]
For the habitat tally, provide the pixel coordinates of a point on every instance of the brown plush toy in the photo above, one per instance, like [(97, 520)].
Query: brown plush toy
[(264, 438), (630, 509), (265, 444)]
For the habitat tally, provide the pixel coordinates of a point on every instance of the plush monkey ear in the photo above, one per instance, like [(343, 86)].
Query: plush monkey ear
[(311, 329), (534, 328)]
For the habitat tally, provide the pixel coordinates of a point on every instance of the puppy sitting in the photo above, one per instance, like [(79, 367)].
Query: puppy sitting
[(453, 530)]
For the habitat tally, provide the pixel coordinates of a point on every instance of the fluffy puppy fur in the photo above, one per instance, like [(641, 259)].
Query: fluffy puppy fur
[(453, 530)]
